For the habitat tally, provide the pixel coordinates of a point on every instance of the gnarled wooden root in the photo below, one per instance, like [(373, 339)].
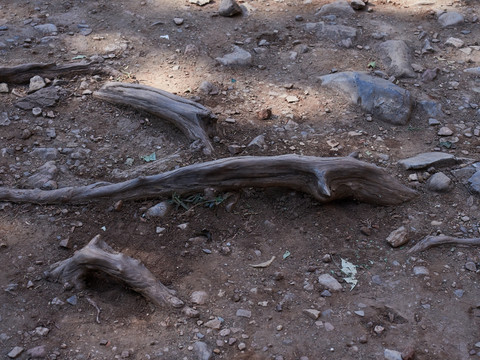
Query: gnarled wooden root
[(98, 256), (431, 241), (193, 119), (21, 74), (326, 179)]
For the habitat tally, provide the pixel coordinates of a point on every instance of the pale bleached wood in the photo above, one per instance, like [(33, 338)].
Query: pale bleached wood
[(326, 179), (21, 74), (431, 241), (193, 119), (97, 255)]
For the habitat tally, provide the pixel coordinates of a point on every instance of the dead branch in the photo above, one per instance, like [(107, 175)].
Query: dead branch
[(98, 256), (22, 74), (431, 241), (326, 179), (193, 119)]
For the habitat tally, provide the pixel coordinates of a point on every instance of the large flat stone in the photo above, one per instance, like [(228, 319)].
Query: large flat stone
[(339, 8), (451, 18), (379, 97), (474, 182), (397, 58), (45, 97), (238, 57), (332, 32), (425, 160)]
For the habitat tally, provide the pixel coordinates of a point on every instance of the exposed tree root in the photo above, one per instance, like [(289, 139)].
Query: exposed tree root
[(193, 119), (98, 256), (431, 241), (21, 74), (326, 179)]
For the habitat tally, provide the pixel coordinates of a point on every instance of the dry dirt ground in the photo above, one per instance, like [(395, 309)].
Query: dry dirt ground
[(422, 313)]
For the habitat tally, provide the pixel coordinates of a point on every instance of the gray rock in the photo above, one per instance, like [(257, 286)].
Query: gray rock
[(427, 47), (199, 297), (420, 270), (455, 42), (360, 313), (214, 324), (450, 18), (36, 111), (397, 58), (312, 313), (46, 154), (329, 282), (229, 8), (471, 266), (445, 131), (474, 71), (4, 119), (357, 4), (425, 160), (37, 352), (392, 355), (439, 182), (259, 141), (43, 178), (377, 280), (474, 182), (200, 2), (36, 83), (244, 313), (45, 97), (332, 32), (72, 300), (178, 21), (339, 8), (201, 349), (15, 352), (3, 88), (238, 57), (208, 88), (459, 293), (398, 237), (46, 29), (431, 108), (325, 293), (159, 210), (51, 133), (463, 174), (42, 331), (376, 96), (433, 122)]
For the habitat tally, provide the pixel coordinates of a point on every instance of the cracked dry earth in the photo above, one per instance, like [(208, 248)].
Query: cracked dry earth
[(404, 306)]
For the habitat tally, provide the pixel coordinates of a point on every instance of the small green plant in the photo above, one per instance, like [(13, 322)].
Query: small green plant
[(195, 200)]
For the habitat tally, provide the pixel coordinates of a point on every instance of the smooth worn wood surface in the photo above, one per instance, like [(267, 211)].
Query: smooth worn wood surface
[(326, 179), (98, 256), (22, 74), (193, 119), (431, 241)]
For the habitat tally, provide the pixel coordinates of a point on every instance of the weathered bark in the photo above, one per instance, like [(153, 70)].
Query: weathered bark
[(98, 256), (326, 179), (431, 241), (22, 74), (194, 120)]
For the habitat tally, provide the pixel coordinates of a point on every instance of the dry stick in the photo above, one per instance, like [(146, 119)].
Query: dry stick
[(22, 73), (194, 120), (94, 304), (326, 179), (98, 256), (431, 241)]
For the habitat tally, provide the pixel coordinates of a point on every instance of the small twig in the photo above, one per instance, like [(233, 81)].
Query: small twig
[(431, 241), (91, 302)]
